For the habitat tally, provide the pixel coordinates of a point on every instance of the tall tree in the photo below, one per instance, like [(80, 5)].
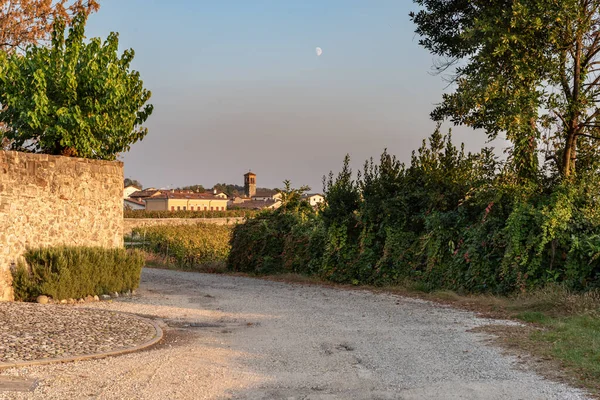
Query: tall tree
[(74, 98), (523, 67), (25, 22)]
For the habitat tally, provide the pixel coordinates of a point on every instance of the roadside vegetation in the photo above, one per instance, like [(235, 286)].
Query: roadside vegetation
[(459, 226)]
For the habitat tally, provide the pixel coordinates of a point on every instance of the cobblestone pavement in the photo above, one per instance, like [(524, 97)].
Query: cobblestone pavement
[(32, 332)]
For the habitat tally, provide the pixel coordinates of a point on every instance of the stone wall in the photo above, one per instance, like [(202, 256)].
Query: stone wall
[(131, 223), (54, 200)]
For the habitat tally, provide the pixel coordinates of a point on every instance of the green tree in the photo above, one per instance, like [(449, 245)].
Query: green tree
[(523, 67), (132, 182), (73, 98), (292, 201), (194, 188), (229, 189)]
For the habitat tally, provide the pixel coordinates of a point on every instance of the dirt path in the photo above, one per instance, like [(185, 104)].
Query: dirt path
[(230, 337)]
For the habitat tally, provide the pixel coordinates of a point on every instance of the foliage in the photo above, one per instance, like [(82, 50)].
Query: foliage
[(267, 242), (132, 182), (76, 272), (26, 22), (189, 246), (229, 189), (73, 98), (188, 214), (449, 220), (524, 68), (234, 190), (194, 188)]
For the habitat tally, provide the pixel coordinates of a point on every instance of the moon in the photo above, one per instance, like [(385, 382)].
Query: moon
[(319, 51)]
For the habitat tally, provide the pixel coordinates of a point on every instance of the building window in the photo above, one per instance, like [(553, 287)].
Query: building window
[(222, 208), (205, 208), (172, 208), (212, 209), (191, 208), (178, 208), (184, 208)]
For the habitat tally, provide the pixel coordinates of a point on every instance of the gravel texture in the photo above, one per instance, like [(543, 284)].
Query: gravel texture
[(240, 338), (30, 332)]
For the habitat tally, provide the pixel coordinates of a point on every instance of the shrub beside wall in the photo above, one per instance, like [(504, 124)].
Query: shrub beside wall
[(76, 272)]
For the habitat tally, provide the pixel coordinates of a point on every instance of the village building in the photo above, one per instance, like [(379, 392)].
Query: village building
[(129, 190), (133, 204), (254, 199), (314, 199), (184, 200)]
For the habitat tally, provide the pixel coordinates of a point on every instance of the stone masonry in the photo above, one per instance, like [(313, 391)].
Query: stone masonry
[(53, 200)]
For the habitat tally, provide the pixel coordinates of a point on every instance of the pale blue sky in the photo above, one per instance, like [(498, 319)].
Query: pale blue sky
[(237, 85)]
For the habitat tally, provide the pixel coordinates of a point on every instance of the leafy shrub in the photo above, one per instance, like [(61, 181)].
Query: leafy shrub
[(188, 214), (449, 220), (188, 245), (258, 245), (275, 241), (76, 272)]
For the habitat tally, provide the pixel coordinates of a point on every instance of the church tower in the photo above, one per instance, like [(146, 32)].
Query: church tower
[(250, 184)]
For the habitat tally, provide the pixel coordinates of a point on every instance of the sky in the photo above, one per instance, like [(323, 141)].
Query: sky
[(237, 86)]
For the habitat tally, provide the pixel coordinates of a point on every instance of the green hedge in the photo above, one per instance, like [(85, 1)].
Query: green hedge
[(76, 272), (188, 214)]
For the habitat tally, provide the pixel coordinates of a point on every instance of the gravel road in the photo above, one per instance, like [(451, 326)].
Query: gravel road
[(240, 338)]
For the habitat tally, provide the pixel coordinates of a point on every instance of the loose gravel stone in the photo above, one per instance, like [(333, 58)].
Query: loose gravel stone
[(31, 332), (238, 338), (42, 299)]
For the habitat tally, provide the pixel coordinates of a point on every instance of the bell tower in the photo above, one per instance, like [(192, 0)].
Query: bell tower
[(250, 184)]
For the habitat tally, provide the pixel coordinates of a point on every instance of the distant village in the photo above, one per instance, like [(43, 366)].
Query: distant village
[(152, 199)]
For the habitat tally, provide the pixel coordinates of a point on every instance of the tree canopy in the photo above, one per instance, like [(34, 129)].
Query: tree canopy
[(132, 182), (73, 98), (25, 22), (528, 68)]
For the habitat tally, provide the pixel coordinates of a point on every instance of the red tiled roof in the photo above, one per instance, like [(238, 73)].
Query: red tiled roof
[(265, 193), (135, 201), (253, 204), (165, 194), (142, 194)]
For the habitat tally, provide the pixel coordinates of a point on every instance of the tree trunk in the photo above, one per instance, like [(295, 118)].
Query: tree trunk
[(570, 152), (568, 166)]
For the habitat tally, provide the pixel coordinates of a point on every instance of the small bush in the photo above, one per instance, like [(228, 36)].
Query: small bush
[(189, 246), (188, 214), (76, 272)]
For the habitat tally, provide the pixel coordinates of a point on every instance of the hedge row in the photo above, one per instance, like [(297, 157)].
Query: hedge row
[(188, 214), (76, 272)]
